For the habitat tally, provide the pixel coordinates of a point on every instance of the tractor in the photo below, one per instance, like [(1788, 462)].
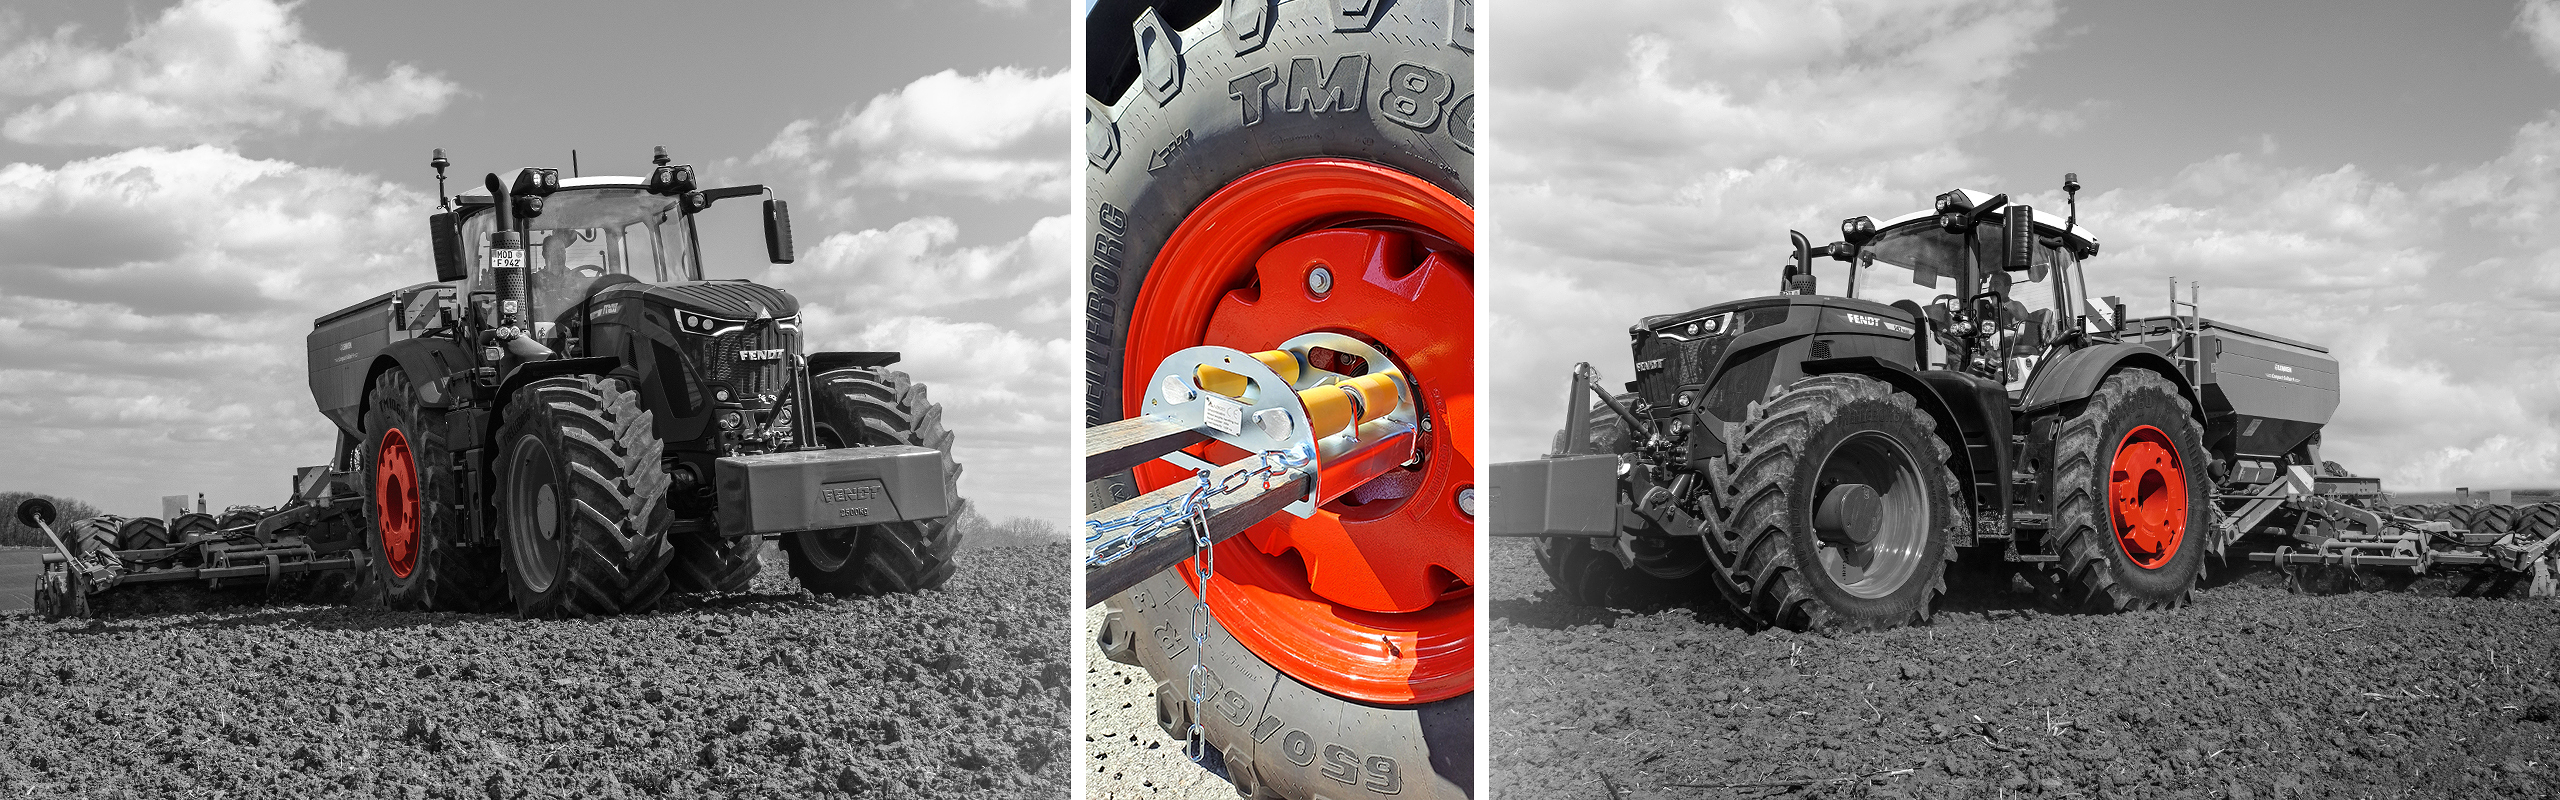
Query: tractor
[(1822, 460), (571, 417)]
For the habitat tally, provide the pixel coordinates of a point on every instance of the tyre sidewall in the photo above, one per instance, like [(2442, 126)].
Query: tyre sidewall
[(1906, 427), (1285, 739), (1167, 158), (2149, 404)]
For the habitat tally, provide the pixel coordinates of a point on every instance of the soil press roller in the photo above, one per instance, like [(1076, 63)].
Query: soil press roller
[(1823, 460), (571, 419)]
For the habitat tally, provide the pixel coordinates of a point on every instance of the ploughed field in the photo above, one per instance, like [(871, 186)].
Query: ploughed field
[(2251, 692), (957, 692)]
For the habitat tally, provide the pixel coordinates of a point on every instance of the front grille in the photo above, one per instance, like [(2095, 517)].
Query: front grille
[(1684, 363), (716, 359)]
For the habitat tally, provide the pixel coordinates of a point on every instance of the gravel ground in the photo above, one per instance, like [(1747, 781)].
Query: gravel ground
[(1130, 757), (960, 692), (2252, 692)]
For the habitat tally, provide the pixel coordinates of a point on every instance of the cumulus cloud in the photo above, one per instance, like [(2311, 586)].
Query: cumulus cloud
[(203, 71), (2539, 21), (2439, 293), (130, 371), (931, 208), (995, 135)]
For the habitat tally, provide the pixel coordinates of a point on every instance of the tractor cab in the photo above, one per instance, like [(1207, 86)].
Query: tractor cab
[(1947, 274), (588, 229)]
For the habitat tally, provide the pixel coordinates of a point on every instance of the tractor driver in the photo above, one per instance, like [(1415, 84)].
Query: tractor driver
[(558, 283)]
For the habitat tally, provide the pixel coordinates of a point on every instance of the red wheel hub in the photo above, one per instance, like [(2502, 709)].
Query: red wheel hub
[(1371, 598), (395, 501), (2148, 491)]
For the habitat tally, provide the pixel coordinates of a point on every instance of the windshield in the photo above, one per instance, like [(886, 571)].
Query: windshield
[(1922, 262), (588, 233)]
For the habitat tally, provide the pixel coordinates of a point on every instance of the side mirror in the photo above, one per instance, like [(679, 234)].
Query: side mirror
[(445, 230), (2021, 238), (777, 231)]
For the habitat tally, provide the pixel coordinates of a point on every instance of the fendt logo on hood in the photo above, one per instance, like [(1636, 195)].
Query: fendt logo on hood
[(760, 355), (1649, 365)]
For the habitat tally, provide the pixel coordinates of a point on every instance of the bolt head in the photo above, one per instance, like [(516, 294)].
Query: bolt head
[(1467, 501), (1275, 423), (1320, 280)]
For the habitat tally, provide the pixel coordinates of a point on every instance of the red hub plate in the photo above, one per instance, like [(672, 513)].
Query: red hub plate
[(395, 498), (2147, 489), (1371, 598)]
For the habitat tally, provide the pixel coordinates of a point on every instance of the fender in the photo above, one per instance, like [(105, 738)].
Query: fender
[(429, 362), (822, 363), (538, 370), (1951, 426), (2076, 375)]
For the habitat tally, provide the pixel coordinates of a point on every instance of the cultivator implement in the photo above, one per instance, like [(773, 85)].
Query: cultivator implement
[(316, 532), (1314, 419), (2343, 524)]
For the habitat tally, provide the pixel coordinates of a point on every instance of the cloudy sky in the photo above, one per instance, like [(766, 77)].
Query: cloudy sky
[(185, 186), (2377, 177)]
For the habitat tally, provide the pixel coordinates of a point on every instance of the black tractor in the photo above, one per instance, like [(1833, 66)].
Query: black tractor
[(572, 417), (1822, 460)]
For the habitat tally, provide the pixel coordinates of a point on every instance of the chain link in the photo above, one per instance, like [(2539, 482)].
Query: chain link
[(1109, 541), (1195, 741)]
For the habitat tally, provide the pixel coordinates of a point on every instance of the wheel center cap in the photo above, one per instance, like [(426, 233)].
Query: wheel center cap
[(1848, 514)]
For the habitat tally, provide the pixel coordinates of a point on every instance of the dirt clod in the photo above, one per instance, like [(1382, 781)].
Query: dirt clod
[(795, 696), (2250, 692)]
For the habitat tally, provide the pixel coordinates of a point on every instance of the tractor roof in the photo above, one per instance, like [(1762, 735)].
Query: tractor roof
[(2046, 222), (479, 196)]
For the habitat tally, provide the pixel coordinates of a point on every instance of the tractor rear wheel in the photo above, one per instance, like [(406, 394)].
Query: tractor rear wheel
[(142, 533), (582, 500), (866, 407), (1656, 570), (1835, 508), (415, 557), (93, 534), (2131, 515)]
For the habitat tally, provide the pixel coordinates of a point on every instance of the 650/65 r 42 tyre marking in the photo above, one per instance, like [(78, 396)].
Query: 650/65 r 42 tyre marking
[(1803, 455), (870, 408), (582, 500), (1318, 126), (415, 558)]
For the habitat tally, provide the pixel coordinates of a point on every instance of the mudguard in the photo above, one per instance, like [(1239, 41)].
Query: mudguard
[(823, 363), (428, 362), (2076, 375), (1951, 426)]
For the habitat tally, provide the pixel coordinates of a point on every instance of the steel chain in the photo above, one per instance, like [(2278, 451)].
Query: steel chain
[(1195, 740), (1107, 542)]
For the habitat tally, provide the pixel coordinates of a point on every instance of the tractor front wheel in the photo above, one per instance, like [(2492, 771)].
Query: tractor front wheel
[(1835, 508), (865, 407), (2131, 517), (582, 500)]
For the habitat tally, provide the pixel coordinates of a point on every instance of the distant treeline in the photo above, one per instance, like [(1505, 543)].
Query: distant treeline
[(12, 533), (978, 531)]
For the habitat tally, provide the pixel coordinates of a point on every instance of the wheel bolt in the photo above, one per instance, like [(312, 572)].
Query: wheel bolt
[(1320, 281), (1467, 501)]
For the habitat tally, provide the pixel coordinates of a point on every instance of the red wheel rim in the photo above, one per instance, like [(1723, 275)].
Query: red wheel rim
[(1371, 598), (2148, 489), (395, 502)]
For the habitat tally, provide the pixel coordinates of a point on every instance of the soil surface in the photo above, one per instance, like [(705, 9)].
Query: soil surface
[(2252, 692), (958, 692), (1127, 756)]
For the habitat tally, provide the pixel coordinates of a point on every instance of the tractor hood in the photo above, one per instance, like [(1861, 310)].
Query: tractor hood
[(733, 301)]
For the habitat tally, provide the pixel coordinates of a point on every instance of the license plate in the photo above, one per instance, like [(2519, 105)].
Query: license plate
[(854, 502), (506, 258)]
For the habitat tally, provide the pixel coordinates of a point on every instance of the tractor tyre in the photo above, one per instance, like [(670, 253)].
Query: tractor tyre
[(2494, 518), (1228, 144), (142, 533), (1655, 570), (93, 534), (706, 561), (582, 500), (237, 517), (2132, 517), (2536, 522), (415, 555), (1800, 545), (59, 595), (864, 407)]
